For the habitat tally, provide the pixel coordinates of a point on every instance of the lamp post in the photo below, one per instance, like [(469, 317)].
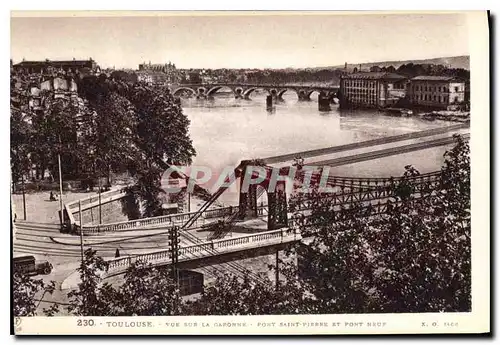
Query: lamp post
[(60, 188), (24, 197), (100, 212), (81, 227)]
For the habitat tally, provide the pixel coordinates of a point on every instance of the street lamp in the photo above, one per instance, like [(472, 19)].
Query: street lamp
[(60, 187), (99, 186), (24, 197)]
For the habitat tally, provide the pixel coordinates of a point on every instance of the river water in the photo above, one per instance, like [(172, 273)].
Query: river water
[(227, 130)]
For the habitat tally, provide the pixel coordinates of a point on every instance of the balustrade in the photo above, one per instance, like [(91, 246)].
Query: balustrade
[(200, 250)]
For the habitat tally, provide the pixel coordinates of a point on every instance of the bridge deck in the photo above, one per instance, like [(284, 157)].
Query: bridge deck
[(364, 144), (391, 151), (209, 249)]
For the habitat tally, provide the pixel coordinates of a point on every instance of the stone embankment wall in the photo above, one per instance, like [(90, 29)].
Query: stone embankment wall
[(110, 213)]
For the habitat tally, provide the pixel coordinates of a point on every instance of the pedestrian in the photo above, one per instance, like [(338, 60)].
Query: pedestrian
[(117, 253)]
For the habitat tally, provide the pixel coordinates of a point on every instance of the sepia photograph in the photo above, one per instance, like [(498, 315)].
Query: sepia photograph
[(249, 172)]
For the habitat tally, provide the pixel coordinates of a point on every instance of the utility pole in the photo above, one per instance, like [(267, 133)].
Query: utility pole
[(100, 211), (174, 251), (60, 188), (24, 197), (277, 269), (81, 228)]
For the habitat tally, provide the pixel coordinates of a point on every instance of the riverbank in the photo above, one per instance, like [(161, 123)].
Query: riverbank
[(446, 115)]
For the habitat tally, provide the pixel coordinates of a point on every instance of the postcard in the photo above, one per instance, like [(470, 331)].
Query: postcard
[(179, 173)]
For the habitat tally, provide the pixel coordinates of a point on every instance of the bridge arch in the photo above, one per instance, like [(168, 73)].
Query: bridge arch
[(313, 94), (178, 91), (246, 93), (214, 90), (283, 91)]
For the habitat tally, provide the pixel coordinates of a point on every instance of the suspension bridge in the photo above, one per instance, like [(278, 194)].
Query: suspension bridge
[(146, 240)]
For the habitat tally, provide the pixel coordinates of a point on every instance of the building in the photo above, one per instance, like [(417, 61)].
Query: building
[(165, 68), (371, 89), (152, 77), (436, 91), (48, 66)]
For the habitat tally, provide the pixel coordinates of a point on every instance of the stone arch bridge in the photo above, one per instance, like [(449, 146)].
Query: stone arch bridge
[(242, 90)]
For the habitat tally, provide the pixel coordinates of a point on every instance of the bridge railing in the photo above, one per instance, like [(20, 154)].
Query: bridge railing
[(87, 201), (359, 193), (167, 221), (369, 202), (206, 249)]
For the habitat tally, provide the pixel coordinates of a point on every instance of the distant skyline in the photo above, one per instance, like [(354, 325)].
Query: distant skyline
[(242, 41)]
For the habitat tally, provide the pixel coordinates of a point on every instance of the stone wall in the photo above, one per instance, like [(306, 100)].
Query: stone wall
[(111, 212)]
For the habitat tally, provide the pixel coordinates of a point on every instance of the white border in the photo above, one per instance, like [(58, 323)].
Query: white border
[(218, 5)]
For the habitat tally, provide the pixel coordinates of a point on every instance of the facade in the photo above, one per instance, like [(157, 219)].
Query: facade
[(157, 73), (436, 91), (165, 68), (61, 87), (48, 66), (371, 89), (152, 77)]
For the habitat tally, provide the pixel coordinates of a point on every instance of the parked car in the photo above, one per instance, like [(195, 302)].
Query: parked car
[(28, 265)]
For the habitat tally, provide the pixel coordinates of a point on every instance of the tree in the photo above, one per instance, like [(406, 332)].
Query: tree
[(149, 291), (93, 298), (413, 258), (111, 134), (24, 292), (335, 267), (140, 129), (231, 295), (115, 138), (55, 132), (162, 138), (20, 143), (146, 290)]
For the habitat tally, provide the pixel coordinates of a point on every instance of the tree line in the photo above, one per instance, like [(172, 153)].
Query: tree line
[(114, 126), (416, 257), (411, 70)]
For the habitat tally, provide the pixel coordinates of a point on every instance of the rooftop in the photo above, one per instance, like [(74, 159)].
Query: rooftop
[(60, 62), (375, 75), (434, 78)]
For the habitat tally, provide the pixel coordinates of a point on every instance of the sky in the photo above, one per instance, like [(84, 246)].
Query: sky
[(242, 41)]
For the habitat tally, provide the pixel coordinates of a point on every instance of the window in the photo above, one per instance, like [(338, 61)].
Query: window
[(456, 88)]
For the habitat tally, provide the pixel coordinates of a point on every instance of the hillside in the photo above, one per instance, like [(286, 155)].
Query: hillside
[(451, 62)]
